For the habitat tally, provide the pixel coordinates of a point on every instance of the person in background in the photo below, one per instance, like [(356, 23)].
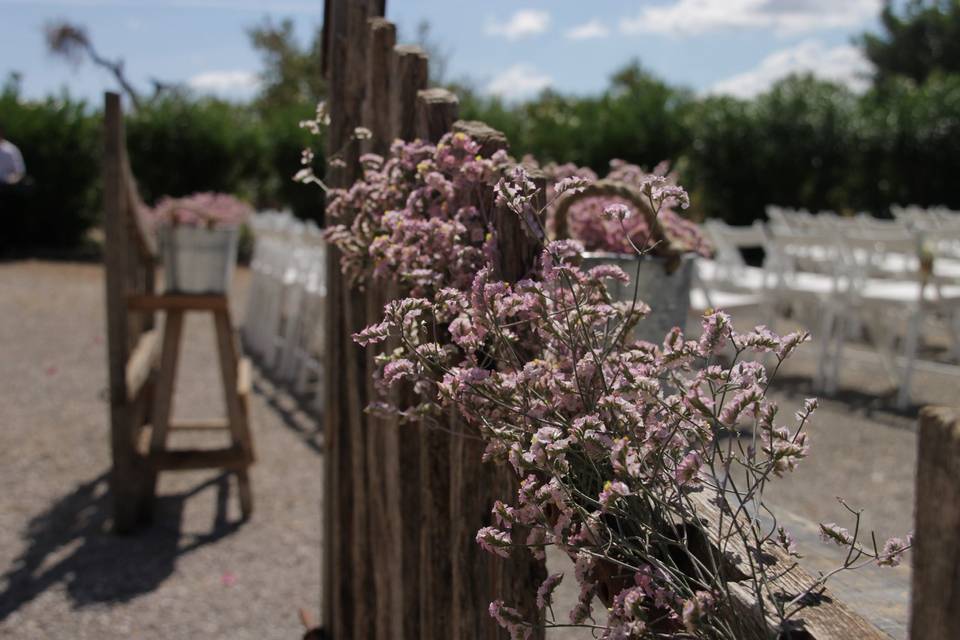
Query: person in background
[(12, 168)]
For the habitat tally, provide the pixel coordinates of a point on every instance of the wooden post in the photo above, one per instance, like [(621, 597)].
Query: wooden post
[(410, 70), (435, 114), (376, 106), (399, 445), (478, 578), (383, 470), (935, 600), (128, 269), (349, 595)]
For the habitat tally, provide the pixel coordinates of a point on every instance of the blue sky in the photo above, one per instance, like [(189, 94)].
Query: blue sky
[(511, 48)]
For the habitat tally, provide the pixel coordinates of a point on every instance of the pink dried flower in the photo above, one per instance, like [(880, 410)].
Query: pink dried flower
[(893, 550), (546, 589), (201, 210)]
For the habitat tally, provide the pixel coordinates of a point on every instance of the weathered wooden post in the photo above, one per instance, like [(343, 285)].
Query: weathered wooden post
[(935, 600), (349, 594), (435, 114)]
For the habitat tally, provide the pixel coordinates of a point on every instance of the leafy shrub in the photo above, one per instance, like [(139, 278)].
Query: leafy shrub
[(60, 142)]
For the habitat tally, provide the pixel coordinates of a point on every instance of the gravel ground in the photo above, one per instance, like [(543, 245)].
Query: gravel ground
[(198, 571)]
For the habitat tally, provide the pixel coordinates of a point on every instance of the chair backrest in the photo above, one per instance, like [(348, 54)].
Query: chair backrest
[(728, 240)]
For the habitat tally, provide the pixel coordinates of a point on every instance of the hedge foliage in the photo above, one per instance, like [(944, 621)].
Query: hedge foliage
[(805, 143), (177, 145)]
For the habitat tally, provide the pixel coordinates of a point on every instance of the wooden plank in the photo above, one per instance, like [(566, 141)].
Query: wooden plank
[(141, 363), (166, 381), (192, 459), (410, 70), (178, 302), (477, 577), (200, 425), (244, 376), (382, 451), (436, 113), (935, 598), (827, 619), (437, 110), (136, 210), (349, 597), (376, 104), (131, 489), (229, 372), (402, 473)]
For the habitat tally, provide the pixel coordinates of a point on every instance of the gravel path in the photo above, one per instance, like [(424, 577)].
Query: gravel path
[(198, 572)]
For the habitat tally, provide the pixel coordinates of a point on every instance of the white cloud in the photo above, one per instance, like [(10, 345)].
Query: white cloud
[(229, 83), (844, 64), (526, 22), (587, 30), (518, 81), (689, 17)]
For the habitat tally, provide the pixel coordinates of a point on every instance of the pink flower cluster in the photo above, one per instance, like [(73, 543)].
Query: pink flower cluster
[(205, 209), (610, 436), (596, 221), (415, 214)]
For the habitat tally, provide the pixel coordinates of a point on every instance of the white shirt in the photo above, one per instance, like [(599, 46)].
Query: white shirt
[(11, 162)]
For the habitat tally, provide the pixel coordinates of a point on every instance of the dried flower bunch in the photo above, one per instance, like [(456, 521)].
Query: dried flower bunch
[(413, 215), (645, 463), (205, 209)]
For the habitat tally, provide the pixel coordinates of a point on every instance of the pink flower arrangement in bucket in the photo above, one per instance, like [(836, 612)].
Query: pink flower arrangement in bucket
[(207, 209), (199, 236)]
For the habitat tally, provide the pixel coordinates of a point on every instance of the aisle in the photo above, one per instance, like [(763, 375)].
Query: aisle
[(196, 571)]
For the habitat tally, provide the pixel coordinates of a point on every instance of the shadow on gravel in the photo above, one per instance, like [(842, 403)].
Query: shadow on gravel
[(294, 412), (880, 407), (71, 544)]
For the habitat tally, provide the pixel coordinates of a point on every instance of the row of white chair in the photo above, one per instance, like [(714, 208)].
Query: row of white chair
[(284, 320), (844, 277)]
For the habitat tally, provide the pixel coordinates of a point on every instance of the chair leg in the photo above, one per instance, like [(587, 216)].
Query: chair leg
[(910, 354), (826, 335), (840, 337), (245, 493)]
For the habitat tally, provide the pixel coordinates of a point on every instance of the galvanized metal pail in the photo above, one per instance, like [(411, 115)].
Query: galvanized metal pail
[(668, 294), (198, 260)]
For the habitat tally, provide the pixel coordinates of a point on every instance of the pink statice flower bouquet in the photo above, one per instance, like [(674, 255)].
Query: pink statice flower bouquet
[(199, 235)]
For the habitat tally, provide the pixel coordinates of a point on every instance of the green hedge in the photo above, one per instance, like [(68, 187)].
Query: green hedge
[(805, 143), (177, 146), (60, 144)]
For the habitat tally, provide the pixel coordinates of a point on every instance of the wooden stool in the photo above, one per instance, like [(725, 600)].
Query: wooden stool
[(142, 364), (235, 373)]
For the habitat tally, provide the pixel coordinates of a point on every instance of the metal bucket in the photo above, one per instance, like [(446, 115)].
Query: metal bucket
[(198, 260), (667, 294)]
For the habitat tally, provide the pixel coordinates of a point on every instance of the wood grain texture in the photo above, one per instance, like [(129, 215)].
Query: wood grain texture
[(377, 100), (436, 113), (935, 601), (141, 363), (382, 468), (349, 605), (410, 70), (437, 109), (127, 270)]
